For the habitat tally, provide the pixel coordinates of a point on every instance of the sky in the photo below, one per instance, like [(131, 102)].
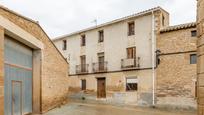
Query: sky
[(59, 17)]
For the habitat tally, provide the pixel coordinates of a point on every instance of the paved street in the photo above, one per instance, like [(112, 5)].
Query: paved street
[(74, 108)]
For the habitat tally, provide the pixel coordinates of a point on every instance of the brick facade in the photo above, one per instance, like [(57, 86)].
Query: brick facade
[(176, 77)]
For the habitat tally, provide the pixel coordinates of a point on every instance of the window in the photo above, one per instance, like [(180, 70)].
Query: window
[(131, 28), (193, 33), (193, 59), (163, 20), (101, 61), (101, 36), (131, 84), (64, 45), (196, 89), (131, 53), (83, 59), (83, 40), (83, 84), (83, 63)]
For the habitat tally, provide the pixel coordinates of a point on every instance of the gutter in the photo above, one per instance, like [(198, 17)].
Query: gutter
[(153, 59)]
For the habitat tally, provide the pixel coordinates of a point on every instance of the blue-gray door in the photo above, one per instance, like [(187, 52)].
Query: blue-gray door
[(18, 78)]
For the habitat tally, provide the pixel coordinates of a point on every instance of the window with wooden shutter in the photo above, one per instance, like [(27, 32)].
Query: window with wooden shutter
[(83, 63), (101, 60), (131, 52), (131, 28), (101, 36), (83, 40)]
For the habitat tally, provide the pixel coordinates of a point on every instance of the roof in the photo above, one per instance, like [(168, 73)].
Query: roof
[(112, 22), (35, 22), (11, 11), (178, 27)]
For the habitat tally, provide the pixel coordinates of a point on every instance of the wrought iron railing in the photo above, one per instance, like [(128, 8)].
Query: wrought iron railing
[(100, 67), (82, 69), (130, 63)]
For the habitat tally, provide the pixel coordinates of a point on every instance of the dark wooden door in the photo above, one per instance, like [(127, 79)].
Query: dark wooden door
[(83, 84), (101, 88)]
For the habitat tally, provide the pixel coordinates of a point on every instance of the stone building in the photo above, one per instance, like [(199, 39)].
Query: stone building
[(33, 73), (200, 65), (156, 58), (176, 71), (115, 61)]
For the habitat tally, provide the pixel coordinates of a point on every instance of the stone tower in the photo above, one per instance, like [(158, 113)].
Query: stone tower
[(200, 65)]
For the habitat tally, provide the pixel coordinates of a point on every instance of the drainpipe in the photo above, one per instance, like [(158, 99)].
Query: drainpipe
[(153, 60)]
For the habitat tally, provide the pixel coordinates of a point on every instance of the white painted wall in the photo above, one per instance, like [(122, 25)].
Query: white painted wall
[(114, 46)]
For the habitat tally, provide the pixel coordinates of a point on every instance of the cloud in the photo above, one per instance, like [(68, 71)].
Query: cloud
[(65, 16)]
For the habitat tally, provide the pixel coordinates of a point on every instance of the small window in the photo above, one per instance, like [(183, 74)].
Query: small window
[(83, 84), (83, 40), (196, 89), (193, 33), (64, 45), (101, 36), (131, 28), (131, 84), (163, 20), (193, 59)]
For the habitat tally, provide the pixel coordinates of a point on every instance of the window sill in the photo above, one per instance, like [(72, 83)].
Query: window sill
[(132, 91)]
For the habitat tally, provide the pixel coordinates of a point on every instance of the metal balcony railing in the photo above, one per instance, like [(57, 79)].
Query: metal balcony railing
[(100, 67), (82, 69), (130, 63)]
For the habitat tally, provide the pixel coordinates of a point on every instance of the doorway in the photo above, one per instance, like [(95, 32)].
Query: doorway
[(18, 67), (101, 87)]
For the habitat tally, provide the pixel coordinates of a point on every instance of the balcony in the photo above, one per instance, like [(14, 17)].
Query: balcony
[(82, 69), (100, 67), (131, 63)]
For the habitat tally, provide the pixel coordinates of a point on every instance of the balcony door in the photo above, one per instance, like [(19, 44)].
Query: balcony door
[(131, 52), (83, 63), (101, 60)]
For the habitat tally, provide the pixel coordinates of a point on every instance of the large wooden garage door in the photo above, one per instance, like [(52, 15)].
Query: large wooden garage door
[(18, 78)]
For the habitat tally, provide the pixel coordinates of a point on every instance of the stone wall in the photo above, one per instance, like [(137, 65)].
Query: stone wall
[(1, 69), (200, 45), (54, 81), (176, 77)]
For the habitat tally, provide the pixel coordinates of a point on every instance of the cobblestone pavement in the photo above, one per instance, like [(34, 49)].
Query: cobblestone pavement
[(76, 108)]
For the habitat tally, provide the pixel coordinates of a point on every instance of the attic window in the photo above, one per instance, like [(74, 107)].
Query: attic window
[(131, 28), (193, 33), (64, 45), (83, 40)]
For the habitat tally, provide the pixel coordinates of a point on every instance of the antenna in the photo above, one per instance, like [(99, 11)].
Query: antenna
[(94, 21)]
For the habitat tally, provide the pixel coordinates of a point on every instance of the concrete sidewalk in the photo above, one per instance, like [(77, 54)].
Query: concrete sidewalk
[(77, 108)]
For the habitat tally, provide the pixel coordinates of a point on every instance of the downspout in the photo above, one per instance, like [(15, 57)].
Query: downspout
[(153, 60)]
